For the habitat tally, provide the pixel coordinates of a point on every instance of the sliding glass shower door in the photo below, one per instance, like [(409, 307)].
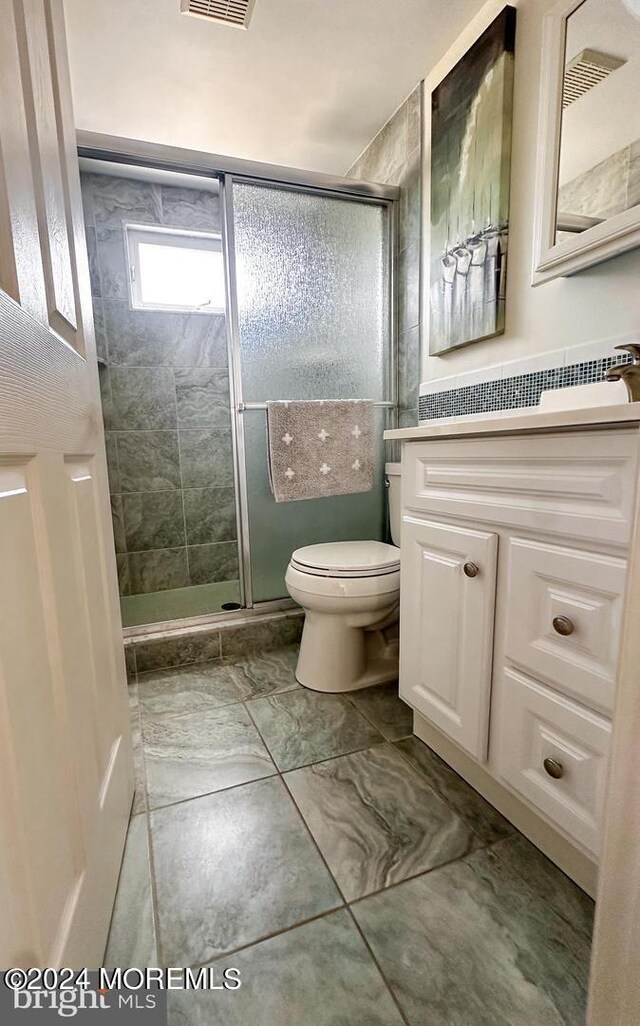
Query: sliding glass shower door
[(312, 321)]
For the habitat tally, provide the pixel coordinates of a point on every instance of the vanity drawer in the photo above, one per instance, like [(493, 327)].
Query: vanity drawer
[(580, 484), (533, 725), (563, 610)]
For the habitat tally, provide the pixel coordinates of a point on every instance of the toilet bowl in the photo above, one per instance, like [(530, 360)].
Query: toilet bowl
[(350, 592)]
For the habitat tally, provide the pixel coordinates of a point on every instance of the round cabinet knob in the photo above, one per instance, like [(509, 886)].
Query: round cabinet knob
[(554, 768), (471, 570), (562, 625)]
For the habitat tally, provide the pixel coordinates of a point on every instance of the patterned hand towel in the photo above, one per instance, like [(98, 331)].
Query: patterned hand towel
[(320, 447)]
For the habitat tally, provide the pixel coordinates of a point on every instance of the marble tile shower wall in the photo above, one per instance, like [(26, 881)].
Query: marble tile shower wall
[(165, 395), (394, 157)]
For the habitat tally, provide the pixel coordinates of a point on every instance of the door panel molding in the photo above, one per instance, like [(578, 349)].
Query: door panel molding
[(66, 762)]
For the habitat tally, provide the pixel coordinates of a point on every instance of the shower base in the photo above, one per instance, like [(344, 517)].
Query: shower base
[(177, 603)]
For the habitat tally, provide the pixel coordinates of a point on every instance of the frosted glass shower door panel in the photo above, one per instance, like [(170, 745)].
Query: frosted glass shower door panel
[(312, 280)]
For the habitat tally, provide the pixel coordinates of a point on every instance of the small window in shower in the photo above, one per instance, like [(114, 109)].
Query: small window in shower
[(173, 270)]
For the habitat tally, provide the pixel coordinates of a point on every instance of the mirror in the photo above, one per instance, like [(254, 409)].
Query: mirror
[(589, 179), (599, 166)]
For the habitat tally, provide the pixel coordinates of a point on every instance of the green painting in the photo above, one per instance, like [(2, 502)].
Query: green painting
[(471, 118)]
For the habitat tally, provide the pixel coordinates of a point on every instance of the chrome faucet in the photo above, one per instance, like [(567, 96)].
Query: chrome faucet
[(628, 372)]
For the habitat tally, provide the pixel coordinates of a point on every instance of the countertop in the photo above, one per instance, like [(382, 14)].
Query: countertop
[(515, 421)]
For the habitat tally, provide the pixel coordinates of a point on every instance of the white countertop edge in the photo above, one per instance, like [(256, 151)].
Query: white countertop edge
[(529, 419)]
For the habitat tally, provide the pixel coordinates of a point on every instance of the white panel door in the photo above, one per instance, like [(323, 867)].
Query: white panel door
[(66, 777), (447, 607)]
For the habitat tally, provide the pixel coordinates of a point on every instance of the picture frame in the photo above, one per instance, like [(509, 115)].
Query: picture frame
[(471, 129)]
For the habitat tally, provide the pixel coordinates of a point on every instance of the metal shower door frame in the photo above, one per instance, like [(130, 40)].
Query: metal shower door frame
[(238, 405), (228, 170)]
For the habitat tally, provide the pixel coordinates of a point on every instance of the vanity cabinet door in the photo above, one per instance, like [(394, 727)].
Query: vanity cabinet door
[(447, 612)]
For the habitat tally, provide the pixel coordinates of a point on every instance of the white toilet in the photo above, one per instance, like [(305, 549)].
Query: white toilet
[(350, 592)]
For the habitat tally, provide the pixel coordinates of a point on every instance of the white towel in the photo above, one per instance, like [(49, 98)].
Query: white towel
[(320, 447)]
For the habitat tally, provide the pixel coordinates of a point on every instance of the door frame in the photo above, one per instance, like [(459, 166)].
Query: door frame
[(228, 171)]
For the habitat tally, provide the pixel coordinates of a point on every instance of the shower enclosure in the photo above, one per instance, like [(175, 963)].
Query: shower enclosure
[(307, 314)]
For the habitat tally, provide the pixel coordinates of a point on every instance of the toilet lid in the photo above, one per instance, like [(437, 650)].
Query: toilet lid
[(347, 559)]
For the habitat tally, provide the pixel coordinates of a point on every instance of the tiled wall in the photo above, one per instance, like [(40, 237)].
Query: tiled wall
[(609, 188), (206, 644), (165, 395), (394, 157)]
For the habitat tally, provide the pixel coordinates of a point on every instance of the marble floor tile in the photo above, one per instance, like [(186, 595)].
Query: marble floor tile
[(268, 673), (375, 819), (232, 869), (300, 727), (486, 821), (319, 974), (521, 860), (387, 712), (188, 689), (195, 753), (464, 946), (132, 940)]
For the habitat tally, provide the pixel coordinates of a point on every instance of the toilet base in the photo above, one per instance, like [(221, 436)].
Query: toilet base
[(382, 671), (377, 663)]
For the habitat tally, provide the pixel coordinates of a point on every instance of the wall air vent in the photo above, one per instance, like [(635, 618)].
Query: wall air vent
[(226, 12), (585, 71)]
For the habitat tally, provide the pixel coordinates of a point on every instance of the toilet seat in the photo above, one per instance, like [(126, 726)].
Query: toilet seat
[(353, 559)]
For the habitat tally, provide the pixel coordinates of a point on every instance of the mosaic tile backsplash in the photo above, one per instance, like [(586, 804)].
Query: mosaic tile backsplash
[(514, 392)]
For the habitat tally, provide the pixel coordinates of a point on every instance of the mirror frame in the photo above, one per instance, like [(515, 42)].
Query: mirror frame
[(614, 235)]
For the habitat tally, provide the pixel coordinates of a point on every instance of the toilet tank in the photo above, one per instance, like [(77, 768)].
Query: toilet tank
[(392, 470)]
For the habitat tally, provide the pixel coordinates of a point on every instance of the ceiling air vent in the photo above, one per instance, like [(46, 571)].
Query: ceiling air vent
[(227, 12), (585, 71)]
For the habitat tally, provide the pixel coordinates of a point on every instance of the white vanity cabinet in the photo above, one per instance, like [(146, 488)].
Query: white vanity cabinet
[(514, 566), (447, 600)]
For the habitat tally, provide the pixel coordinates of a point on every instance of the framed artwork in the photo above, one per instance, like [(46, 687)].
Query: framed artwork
[(471, 120)]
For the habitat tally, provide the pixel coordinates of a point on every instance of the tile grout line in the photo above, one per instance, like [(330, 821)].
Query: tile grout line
[(281, 774), (346, 905), (269, 936), (155, 916), (375, 961)]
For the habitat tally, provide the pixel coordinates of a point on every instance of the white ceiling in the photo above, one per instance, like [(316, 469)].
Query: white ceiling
[(307, 85)]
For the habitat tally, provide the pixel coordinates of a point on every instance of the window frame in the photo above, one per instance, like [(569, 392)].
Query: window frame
[(173, 238)]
